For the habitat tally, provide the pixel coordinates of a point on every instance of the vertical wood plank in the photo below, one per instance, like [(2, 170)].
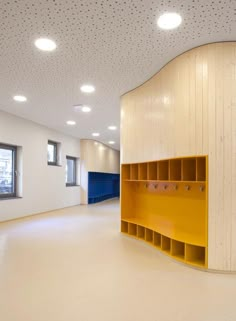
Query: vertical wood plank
[(212, 254), (233, 176)]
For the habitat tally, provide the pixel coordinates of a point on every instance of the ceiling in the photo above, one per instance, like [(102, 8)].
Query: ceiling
[(114, 45)]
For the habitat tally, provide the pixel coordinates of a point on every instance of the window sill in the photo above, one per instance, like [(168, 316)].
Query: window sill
[(56, 165), (10, 198), (72, 185)]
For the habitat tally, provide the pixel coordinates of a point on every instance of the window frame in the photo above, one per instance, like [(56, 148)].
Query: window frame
[(14, 169), (55, 161), (74, 159)]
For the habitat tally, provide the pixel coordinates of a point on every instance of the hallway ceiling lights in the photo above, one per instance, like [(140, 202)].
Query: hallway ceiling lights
[(169, 20), (86, 109), (83, 108), (71, 122), (111, 142), (20, 99), (113, 45), (45, 44), (95, 134), (112, 127), (88, 89)]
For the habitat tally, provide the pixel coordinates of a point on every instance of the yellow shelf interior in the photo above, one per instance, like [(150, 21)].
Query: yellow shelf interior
[(165, 203)]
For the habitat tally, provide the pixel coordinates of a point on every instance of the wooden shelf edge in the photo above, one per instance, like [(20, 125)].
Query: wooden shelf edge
[(146, 225), (163, 181)]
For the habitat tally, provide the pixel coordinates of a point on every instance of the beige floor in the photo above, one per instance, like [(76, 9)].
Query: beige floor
[(73, 264)]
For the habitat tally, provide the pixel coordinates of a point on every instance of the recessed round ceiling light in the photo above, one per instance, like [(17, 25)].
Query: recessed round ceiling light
[(86, 109), (111, 142), (83, 108), (88, 89), (169, 20), (71, 122), (112, 127), (19, 98), (45, 44), (95, 134)]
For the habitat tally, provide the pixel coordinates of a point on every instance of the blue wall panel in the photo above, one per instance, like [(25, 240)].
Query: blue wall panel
[(102, 186)]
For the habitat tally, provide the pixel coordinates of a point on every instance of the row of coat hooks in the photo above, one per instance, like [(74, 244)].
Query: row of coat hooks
[(175, 186)]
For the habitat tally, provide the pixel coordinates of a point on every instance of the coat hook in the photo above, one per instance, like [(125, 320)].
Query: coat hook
[(155, 186), (187, 187), (201, 188), (146, 185), (165, 186), (175, 187)]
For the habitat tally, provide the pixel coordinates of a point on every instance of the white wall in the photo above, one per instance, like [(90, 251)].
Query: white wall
[(43, 186), (96, 157)]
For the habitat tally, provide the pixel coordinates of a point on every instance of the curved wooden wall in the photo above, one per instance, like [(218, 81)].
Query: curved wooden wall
[(189, 108)]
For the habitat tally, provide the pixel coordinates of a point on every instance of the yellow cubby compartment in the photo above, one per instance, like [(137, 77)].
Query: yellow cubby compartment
[(201, 169), (124, 227), (163, 170), (195, 254), (132, 229), (175, 170), (189, 169), (165, 244), (141, 232), (157, 239), (149, 235), (178, 249), (134, 171), (152, 171), (125, 172), (142, 171)]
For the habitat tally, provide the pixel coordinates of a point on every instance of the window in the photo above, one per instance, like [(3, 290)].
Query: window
[(52, 153), (70, 171), (7, 171)]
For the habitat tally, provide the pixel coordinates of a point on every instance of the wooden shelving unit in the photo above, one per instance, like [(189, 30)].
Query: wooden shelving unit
[(165, 204)]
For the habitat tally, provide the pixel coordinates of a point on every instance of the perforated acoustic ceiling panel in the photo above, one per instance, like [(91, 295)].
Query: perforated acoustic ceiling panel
[(115, 45)]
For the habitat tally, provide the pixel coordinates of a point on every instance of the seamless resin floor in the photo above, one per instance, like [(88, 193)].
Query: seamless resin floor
[(74, 265)]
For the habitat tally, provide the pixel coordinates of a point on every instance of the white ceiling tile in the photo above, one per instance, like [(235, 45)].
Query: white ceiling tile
[(114, 45)]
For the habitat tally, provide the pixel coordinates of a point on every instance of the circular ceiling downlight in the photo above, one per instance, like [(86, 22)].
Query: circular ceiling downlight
[(88, 89), (45, 44), (71, 122), (112, 127), (169, 20), (86, 109), (20, 98)]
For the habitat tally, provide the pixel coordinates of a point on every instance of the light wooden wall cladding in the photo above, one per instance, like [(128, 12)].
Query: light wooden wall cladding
[(189, 108)]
